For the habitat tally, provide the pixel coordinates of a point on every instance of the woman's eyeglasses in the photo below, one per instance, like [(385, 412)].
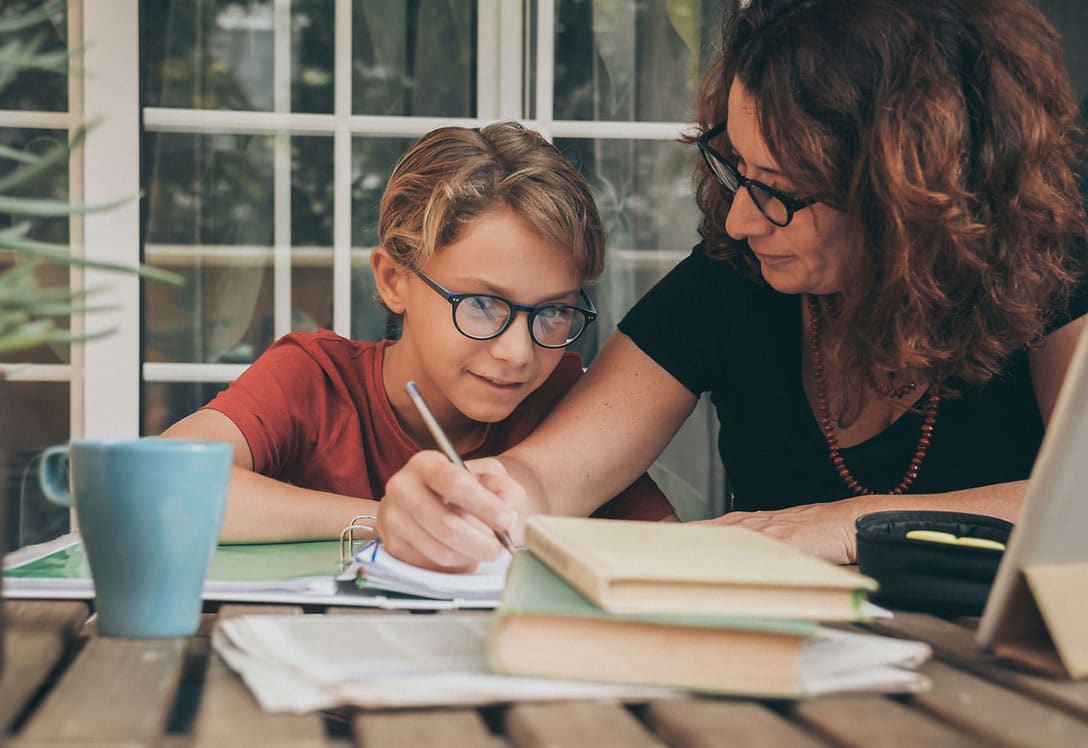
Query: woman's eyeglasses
[(776, 206), (482, 316)]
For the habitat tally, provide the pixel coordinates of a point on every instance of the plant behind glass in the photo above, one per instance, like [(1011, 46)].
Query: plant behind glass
[(32, 314)]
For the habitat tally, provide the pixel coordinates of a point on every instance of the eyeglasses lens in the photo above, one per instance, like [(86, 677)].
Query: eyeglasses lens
[(481, 316), (769, 205)]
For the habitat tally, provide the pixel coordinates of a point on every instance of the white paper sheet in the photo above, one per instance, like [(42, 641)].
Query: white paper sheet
[(309, 662), (378, 569)]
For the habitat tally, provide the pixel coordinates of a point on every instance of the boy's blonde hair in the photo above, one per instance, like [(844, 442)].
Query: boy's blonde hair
[(453, 175)]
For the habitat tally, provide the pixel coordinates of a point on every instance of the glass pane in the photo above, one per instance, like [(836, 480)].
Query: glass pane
[(631, 60), (36, 89), (168, 402), (644, 193), (372, 161), (414, 58), (208, 189), (51, 185), (214, 54), (209, 218), (312, 50), (311, 233), (33, 416), (311, 191)]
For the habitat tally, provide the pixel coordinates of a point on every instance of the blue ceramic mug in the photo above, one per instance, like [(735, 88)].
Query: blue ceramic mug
[(149, 513)]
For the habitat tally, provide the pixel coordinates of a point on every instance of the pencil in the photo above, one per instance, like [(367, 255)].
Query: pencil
[(446, 446)]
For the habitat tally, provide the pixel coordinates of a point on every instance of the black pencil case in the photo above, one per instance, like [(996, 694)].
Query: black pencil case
[(945, 579)]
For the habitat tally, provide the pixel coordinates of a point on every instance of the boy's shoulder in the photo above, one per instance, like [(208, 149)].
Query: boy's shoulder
[(326, 344)]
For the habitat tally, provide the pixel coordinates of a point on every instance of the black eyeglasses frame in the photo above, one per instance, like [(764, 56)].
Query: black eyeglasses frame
[(791, 203), (455, 299)]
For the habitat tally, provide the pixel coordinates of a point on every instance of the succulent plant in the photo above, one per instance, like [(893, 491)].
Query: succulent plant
[(32, 314)]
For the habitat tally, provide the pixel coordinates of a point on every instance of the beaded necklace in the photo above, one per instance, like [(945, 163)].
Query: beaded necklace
[(828, 425)]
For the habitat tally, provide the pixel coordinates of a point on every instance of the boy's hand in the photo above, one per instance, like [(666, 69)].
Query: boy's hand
[(440, 516)]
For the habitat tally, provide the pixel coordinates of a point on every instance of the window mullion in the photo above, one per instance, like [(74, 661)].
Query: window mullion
[(545, 66), (111, 96), (281, 171), (341, 144)]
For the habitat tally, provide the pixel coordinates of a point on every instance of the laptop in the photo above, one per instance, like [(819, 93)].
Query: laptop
[(1037, 610)]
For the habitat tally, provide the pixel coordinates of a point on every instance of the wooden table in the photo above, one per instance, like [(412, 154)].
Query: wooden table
[(62, 685)]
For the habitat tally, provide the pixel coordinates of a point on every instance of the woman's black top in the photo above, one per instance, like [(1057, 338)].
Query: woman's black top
[(718, 332)]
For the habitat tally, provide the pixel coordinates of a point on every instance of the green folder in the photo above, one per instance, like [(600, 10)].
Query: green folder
[(304, 573)]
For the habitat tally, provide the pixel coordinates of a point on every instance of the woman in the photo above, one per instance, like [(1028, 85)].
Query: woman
[(884, 303)]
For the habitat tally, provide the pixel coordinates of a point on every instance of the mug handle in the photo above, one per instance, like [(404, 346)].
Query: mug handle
[(50, 471)]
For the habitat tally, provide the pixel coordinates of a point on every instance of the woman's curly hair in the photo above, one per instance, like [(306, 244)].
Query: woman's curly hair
[(950, 129)]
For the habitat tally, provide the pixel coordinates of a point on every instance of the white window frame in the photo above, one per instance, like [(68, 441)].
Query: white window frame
[(106, 375)]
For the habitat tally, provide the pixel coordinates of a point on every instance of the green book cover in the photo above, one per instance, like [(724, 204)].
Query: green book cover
[(532, 587), (546, 628), (263, 562)]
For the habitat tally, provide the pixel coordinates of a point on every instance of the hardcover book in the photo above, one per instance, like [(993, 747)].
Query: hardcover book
[(663, 567)]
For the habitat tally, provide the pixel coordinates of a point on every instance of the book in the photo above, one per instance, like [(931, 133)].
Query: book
[(543, 627), (629, 566)]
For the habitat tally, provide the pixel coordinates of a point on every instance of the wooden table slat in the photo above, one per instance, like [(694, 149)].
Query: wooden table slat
[(229, 715), (875, 722), (560, 724), (463, 728), (956, 644), (707, 723), (39, 633), (996, 714), (134, 682)]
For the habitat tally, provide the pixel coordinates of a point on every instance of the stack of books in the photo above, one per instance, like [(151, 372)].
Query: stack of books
[(710, 608)]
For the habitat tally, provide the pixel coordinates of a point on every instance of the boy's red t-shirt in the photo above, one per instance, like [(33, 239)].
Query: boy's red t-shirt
[(314, 412)]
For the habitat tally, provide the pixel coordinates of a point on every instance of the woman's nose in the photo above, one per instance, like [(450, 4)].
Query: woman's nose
[(744, 219)]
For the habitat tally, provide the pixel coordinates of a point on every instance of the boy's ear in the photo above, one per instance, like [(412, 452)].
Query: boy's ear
[(390, 278)]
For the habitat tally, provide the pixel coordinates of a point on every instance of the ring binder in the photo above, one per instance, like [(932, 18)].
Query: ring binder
[(347, 537)]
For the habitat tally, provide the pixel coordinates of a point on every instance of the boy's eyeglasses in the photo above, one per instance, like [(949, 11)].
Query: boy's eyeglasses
[(482, 316), (776, 206)]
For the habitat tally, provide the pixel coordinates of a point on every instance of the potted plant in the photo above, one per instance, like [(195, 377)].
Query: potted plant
[(33, 313)]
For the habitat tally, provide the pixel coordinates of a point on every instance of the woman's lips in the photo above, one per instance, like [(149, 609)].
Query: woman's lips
[(765, 259)]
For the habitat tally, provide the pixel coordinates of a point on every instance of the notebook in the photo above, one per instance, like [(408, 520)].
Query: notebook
[(1037, 611)]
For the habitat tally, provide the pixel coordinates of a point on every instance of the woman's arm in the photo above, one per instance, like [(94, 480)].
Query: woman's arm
[(261, 509), (827, 530), (604, 434)]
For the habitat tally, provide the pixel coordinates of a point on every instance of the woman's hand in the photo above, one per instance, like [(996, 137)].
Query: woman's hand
[(824, 530), (439, 516)]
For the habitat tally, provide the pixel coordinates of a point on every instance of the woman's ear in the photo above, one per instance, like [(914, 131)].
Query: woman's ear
[(390, 278)]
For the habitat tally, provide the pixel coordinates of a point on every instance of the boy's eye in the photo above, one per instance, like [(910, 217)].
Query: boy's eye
[(552, 317), (481, 304)]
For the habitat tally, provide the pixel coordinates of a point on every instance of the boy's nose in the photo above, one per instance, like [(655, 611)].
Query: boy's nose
[(515, 344)]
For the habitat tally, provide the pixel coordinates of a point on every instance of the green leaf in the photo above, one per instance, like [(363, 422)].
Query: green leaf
[(32, 17), (41, 165), (14, 154), (43, 208), (59, 254)]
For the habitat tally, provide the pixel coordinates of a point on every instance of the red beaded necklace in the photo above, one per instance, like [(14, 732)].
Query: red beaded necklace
[(828, 424)]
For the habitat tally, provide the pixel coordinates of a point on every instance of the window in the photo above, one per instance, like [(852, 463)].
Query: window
[(270, 129)]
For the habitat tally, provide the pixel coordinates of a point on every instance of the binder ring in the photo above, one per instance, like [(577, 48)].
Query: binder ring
[(347, 537)]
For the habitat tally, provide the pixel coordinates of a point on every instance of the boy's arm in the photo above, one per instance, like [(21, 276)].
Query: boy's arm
[(264, 510)]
